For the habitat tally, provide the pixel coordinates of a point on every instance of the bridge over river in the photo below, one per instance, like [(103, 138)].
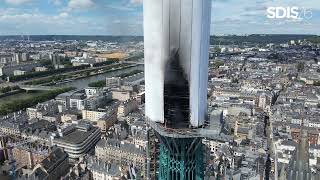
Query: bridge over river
[(37, 88)]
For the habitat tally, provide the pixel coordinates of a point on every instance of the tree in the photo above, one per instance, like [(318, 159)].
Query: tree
[(235, 80), (217, 63), (300, 66), (217, 49), (20, 104), (46, 63), (101, 83), (8, 89)]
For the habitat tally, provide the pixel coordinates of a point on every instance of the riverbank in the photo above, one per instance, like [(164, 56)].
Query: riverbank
[(102, 72), (22, 103), (102, 83), (62, 79), (11, 93), (78, 83), (83, 82)]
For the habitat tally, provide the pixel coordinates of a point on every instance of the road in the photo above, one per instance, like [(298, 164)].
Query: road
[(271, 148)]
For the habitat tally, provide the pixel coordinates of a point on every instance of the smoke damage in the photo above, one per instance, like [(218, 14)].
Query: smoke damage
[(176, 93)]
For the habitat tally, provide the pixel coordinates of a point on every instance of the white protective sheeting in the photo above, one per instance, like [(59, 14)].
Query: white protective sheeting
[(183, 25)]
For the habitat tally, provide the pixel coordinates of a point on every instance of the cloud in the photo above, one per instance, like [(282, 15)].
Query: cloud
[(63, 15), (137, 2), (81, 4), (118, 8), (56, 2), (17, 2), (248, 16), (43, 24), (33, 22)]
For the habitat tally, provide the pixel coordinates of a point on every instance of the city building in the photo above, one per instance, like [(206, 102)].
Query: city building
[(93, 115), (141, 98), (9, 128), (55, 166), (108, 120), (121, 95), (102, 170), (27, 156), (10, 68), (127, 107), (55, 59), (94, 102), (19, 72), (121, 152), (68, 118), (47, 110), (64, 99), (299, 164), (17, 57), (93, 91), (77, 140), (113, 81), (5, 58), (78, 101), (133, 80), (40, 69), (24, 57)]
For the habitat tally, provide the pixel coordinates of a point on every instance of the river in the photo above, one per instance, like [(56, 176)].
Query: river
[(79, 83), (83, 82)]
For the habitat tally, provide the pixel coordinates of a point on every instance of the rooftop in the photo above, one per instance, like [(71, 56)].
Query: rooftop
[(77, 135), (55, 157), (125, 146), (103, 167)]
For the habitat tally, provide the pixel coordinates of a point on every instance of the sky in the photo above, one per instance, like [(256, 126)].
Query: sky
[(124, 17)]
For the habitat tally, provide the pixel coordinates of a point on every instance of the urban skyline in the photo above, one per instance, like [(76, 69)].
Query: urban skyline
[(173, 104)]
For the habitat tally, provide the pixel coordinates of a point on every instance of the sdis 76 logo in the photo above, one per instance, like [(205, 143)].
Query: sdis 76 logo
[(289, 13)]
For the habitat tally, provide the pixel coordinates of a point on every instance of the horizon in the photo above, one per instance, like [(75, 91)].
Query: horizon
[(142, 35), (124, 17)]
